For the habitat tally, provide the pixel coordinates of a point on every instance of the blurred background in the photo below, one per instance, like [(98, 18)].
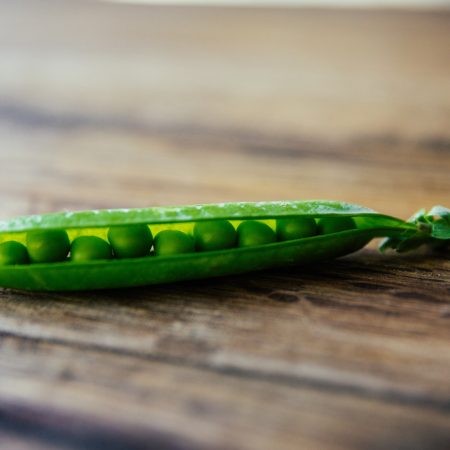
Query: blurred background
[(125, 104), (128, 104)]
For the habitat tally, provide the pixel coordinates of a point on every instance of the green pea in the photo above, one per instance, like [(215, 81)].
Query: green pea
[(252, 233), (13, 252), (88, 248), (48, 245), (296, 228), (327, 225), (130, 241), (173, 242), (214, 235)]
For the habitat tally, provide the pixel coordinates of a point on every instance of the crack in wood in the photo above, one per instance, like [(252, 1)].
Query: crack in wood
[(72, 431)]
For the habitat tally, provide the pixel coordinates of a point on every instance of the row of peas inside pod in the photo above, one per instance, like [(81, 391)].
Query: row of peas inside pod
[(134, 241)]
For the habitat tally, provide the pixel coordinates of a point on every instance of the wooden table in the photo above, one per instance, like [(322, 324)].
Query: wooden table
[(121, 106)]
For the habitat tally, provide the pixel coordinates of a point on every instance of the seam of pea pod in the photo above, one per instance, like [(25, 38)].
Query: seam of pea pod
[(134, 247)]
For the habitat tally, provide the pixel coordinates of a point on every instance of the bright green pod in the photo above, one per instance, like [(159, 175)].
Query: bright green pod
[(89, 248), (175, 256), (130, 241), (48, 245), (12, 252), (328, 225), (295, 228), (214, 235), (252, 232), (173, 242)]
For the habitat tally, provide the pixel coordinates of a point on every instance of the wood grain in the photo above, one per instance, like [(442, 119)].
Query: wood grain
[(121, 106)]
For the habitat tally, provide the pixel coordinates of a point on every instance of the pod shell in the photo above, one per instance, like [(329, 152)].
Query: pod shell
[(165, 269)]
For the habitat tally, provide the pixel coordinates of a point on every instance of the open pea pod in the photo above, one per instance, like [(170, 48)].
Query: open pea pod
[(156, 267)]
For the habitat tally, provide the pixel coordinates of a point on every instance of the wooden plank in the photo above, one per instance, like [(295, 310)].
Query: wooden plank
[(329, 325), (197, 407), (119, 106)]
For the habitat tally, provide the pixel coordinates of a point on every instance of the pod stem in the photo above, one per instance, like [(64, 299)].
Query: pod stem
[(432, 229)]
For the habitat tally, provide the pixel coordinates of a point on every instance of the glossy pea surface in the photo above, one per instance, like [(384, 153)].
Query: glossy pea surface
[(328, 225), (48, 245), (89, 248), (214, 235), (252, 232), (173, 242), (130, 241), (12, 252), (295, 228)]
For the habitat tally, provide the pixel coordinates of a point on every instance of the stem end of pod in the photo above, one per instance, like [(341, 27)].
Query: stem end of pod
[(432, 228)]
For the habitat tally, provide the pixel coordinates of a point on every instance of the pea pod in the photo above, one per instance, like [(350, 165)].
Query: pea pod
[(429, 228)]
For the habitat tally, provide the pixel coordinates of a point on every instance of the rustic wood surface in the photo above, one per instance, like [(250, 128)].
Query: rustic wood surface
[(119, 106)]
